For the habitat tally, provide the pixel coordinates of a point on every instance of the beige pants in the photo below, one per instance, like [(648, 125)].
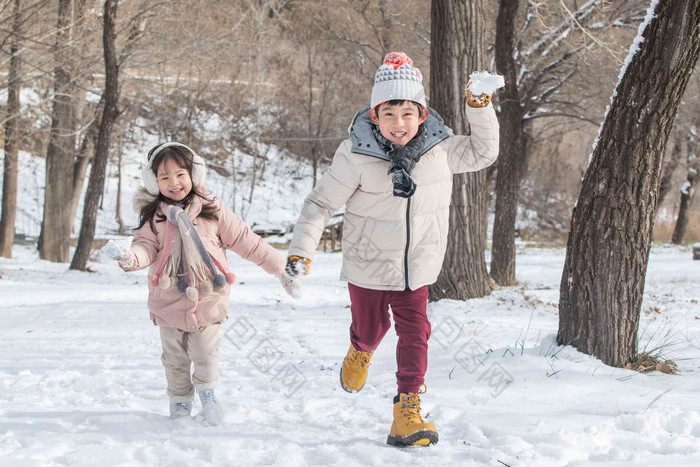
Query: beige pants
[(181, 349)]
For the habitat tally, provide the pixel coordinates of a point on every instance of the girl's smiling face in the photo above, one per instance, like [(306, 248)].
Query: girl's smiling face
[(174, 182), (398, 123)]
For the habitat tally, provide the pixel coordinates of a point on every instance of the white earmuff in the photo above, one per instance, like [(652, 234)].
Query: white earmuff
[(199, 168)]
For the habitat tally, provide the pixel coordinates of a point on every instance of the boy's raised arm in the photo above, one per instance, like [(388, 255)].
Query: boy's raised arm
[(480, 149)]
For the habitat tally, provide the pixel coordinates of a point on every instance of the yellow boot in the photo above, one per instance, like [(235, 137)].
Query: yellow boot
[(353, 374), (408, 427)]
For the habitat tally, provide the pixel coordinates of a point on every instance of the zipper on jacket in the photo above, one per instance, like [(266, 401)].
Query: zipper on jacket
[(408, 240)]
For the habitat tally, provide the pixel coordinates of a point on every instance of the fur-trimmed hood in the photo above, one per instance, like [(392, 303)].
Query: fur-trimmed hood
[(142, 198)]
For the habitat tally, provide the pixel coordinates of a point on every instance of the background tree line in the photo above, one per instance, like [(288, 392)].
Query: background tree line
[(233, 78), (291, 73)]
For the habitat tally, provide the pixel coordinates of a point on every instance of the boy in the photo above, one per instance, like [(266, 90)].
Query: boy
[(394, 175)]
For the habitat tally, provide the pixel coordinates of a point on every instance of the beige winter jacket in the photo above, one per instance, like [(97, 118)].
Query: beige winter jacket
[(389, 242)]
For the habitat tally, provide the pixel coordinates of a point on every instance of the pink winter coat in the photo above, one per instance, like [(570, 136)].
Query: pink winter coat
[(168, 307)]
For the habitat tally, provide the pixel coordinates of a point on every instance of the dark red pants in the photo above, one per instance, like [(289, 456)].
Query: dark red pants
[(370, 322)]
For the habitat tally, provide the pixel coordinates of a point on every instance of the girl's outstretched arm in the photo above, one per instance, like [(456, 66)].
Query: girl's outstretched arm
[(239, 238), (120, 253)]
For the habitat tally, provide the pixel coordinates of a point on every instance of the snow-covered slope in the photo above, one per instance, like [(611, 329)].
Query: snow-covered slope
[(82, 384), (276, 201)]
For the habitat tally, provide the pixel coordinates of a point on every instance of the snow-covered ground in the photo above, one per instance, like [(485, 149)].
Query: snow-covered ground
[(81, 381)]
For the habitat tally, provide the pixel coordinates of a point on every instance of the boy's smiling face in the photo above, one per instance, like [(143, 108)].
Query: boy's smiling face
[(398, 123)]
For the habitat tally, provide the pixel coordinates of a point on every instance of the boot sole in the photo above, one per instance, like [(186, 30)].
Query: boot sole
[(347, 389), (419, 438)]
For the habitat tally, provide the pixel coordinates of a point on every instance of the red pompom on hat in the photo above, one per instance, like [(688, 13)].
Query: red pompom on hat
[(396, 59), (398, 79)]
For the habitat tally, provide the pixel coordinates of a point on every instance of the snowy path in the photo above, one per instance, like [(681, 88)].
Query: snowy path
[(82, 384)]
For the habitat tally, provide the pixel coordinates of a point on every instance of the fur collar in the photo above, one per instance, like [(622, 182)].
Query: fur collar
[(142, 198)]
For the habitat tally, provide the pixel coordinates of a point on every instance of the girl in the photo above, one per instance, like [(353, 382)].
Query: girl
[(183, 234)]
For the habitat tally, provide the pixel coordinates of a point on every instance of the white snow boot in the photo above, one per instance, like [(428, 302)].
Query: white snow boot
[(180, 409), (212, 412)]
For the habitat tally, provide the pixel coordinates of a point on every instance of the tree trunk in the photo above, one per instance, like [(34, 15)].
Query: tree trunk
[(234, 181), (687, 191), (56, 226), (513, 150), (457, 45), (82, 162), (11, 146), (118, 214), (385, 34), (511, 171), (259, 50), (109, 116), (670, 166), (611, 228)]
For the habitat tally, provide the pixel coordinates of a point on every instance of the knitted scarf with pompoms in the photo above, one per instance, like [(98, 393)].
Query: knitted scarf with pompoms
[(402, 160), (184, 260)]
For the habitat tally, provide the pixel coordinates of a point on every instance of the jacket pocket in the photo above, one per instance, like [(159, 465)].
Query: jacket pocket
[(364, 240)]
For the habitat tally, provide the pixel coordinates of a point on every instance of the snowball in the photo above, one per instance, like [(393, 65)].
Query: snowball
[(484, 82)]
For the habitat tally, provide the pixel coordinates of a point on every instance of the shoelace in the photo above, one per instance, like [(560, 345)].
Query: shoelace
[(360, 359), (181, 405), (412, 404)]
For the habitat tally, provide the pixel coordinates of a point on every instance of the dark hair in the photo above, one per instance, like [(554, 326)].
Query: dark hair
[(421, 109), (183, 158)]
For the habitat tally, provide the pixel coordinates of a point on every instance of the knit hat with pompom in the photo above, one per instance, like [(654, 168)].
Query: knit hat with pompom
[(398, 79)]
